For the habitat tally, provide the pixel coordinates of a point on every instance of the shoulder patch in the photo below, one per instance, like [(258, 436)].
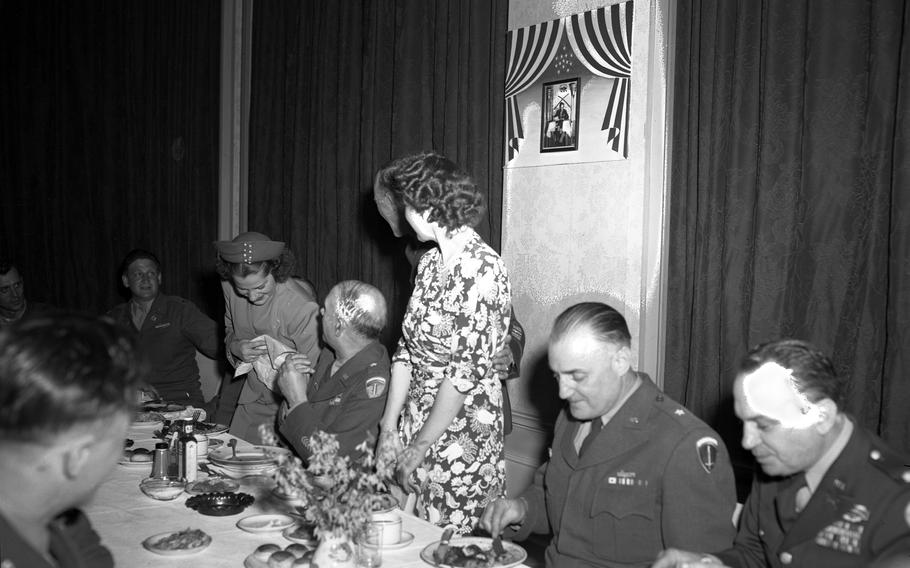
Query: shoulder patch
[(890, 463), (706, 448), (375, 386)]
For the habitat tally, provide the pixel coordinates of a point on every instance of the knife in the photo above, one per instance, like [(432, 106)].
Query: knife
[(498, 549), (439, 555)]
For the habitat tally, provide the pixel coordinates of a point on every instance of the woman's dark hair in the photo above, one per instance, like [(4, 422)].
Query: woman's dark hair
[(607, 325), (430, 181), (812, 370), (281, 268)]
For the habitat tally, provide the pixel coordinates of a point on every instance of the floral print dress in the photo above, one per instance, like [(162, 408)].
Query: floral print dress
[(457, 319)]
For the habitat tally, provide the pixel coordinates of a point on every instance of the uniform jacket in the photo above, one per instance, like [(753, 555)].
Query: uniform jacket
[(173, 330), (73, 544), (348, 404), (655, 477), (859, 512)]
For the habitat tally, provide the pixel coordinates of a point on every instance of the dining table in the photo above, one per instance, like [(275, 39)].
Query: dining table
[(124, 517)]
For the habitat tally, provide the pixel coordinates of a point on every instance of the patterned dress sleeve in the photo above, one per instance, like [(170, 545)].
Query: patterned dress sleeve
[(482, 304)]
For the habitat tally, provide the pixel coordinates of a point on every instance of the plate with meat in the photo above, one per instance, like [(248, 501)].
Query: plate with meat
[(187, 541), (473, 552)]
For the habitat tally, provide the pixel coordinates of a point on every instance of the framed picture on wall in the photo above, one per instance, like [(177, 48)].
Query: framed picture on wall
[(559, 116)]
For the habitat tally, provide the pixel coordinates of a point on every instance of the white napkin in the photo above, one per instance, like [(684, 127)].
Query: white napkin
[(267, 364)]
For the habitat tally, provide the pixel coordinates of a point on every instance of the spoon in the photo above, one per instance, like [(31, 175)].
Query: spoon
[(233, 445)]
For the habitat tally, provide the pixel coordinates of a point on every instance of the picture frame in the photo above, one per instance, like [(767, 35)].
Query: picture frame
[(559, 115)]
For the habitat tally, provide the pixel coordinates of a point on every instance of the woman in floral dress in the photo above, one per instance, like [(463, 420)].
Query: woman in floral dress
[(445, 400)]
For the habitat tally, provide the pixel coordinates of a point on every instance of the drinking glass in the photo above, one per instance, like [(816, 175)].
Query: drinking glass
[(369, 552)]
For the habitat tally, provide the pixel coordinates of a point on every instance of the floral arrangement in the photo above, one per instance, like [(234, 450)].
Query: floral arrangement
[(339, 493)]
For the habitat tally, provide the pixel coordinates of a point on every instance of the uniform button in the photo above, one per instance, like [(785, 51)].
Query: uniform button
[(761, 532), (876, 455), (786, 557)]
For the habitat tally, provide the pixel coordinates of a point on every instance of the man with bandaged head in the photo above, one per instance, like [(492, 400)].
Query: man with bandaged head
[(345, 393), (829, 493)]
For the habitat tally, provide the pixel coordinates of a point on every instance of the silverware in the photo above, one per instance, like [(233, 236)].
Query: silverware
[(439, 555), (233, 444)]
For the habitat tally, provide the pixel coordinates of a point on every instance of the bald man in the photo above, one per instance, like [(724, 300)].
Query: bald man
[(345, 393)]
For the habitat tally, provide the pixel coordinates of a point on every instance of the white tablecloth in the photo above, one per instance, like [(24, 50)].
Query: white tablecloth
[(124, 517)]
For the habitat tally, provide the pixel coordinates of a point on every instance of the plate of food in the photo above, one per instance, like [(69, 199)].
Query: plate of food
[(473, 551), (301, 534), (147, 421), (265, 523), (180, 543), (210, 428), (136, 458)]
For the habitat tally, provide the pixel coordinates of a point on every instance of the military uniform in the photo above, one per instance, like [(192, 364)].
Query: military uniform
[(348, 404), (860, 512), (655, 477)]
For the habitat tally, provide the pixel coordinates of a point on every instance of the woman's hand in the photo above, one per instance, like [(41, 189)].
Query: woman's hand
[(251, 349), (293, 379), (408, 462), (388, 448), (502, 361)]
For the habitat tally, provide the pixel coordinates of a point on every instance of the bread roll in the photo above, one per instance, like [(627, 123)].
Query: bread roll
[(265, 551), (282, 559)]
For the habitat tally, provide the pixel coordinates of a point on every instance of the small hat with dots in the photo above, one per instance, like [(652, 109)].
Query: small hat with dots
[(248, 248)]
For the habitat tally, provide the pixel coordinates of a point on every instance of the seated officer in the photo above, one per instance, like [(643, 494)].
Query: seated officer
[(67, 387), (630, 470), (345, 394), (13, 305), (830, 493), (169, 329)]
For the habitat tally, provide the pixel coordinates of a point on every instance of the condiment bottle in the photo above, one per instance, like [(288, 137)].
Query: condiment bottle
[(160, 460), (187, 453)]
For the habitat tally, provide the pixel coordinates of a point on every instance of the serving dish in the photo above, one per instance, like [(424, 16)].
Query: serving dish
[(220, 504), (476, 547), (180, 543), (162, 489)]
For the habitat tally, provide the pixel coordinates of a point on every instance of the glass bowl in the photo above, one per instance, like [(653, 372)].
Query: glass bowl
[(220, 504), (162, 489)]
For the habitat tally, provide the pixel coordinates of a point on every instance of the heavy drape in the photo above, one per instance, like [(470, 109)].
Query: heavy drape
[(109, 141), (790, 209), (339, 89)]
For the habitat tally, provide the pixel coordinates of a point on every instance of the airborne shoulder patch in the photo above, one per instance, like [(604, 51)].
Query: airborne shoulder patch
[(375, 386), (707, 452)]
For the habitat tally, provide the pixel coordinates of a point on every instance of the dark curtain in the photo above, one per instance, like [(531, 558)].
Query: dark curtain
[(790, 208), (339, 89), (109, 142)]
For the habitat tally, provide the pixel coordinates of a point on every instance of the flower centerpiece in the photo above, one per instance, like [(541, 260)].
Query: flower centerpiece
[(338, 493)]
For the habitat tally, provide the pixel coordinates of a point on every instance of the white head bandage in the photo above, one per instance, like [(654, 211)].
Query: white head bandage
[(772, 391)]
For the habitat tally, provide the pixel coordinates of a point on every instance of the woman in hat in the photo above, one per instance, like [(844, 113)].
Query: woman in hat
[(262, 298), (443, 416)]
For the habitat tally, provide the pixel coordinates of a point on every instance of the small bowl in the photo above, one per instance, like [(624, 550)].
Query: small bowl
[(162, 489), (220, 504)]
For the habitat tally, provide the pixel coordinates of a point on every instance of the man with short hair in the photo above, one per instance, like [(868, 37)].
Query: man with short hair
[(346, 392), (68, 385), (830, 493), (13, 305), (169, 329), (630, 470)]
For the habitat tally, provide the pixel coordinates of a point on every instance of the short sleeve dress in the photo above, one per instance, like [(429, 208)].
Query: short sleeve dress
[(457, 319)]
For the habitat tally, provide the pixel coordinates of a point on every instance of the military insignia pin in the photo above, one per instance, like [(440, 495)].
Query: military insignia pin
[(707, 453), (375, 386)]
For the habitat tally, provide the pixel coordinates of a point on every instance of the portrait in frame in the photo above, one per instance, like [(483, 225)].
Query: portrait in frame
[(559, 116)]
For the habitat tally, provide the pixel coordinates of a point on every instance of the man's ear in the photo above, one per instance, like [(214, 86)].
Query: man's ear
[(76, 456), (125, 280), (828, 415), (622, 360)]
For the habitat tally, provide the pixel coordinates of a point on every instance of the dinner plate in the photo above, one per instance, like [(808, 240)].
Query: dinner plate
[(152, 544), (210, 428), (515, 554), (125, 462), (302, 536), (246, 457), (265, 523)]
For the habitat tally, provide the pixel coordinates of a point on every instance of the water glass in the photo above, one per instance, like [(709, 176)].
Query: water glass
[(369, 552)]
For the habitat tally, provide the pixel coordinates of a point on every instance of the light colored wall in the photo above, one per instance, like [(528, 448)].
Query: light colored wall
[(586, 231)]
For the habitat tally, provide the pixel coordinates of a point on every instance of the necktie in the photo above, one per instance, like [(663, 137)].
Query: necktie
[(596, 427), (787, 501)]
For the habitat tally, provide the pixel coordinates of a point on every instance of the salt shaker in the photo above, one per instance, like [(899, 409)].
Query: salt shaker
[(160, 460)]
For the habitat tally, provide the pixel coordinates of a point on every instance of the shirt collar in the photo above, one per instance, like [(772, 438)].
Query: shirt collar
[(817, 471)]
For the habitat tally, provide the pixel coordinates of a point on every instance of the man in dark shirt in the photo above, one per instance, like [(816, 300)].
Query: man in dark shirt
[(67, 385), (346, 393), (13, 305), (169, 329)]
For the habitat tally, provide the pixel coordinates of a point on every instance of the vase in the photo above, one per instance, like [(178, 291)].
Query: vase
[(335, 550)]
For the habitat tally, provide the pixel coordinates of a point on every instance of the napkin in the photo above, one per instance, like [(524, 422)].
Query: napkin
[(267, 364)]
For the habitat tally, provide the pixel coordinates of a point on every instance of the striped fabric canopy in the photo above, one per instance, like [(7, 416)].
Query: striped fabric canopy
[(602, 41)]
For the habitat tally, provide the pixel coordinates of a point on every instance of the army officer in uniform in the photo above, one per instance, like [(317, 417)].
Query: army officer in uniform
[(346, 393), (831, 494), (630, 470)]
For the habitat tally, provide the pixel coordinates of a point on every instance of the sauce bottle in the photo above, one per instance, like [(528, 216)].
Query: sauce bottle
[(187, 452)]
